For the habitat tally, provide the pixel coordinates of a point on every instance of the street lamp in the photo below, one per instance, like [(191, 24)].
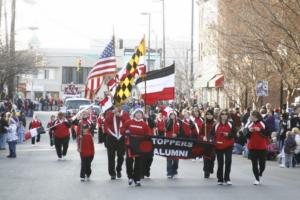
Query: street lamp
[(164, 33), (149, 27)]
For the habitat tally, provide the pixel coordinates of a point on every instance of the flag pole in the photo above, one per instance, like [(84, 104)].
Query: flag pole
[(145, 80)]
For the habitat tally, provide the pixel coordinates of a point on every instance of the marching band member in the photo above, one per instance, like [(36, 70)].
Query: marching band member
[(148, 158), (160, 124), (198, 121), (51, 131), (134, 165), (100, 125), (35, 123), (257, 144), (187, 124), (208, 123), (224, 133), (61, 136), (85, 145), (173, 130), (115, 144)]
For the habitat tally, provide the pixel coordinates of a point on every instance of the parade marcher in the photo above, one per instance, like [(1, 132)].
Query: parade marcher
[(198, 123), (187, 125), (100, 125), (208, 165), (85, 145), (134, 164), (35, 123), (115, 144), (173, 130), (257, 134), (283, 128), (12, 135), (223, 134), (160, 125), (148, 158), (68, 117), (61, 135), (51, 131)]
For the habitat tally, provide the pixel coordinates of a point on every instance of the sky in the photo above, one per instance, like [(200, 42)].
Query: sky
[(79, 23)]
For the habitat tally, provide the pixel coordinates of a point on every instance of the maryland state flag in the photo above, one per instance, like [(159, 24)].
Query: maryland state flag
[(123, 90)]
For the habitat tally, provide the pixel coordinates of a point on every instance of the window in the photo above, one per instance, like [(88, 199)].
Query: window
[(71, 75), (50, 74)]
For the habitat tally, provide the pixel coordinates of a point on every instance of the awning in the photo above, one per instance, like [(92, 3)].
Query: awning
[(216, 82)]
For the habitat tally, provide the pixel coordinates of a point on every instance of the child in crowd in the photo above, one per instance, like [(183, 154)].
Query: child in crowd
[(289, 149)]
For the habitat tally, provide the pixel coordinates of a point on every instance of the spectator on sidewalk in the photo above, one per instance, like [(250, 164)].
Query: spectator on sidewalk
[(3, 131), (12, 136), (289, 149)]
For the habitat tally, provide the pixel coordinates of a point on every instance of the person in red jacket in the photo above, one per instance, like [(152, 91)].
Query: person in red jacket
[(85, 146), (187, 125), (51, 131), (257, 144), (198, 121), (100, 125), (173, 130), (208, 123), (160, 124), (35, 123), (134, 165), (223, 134), (61, 136), (115, 143)]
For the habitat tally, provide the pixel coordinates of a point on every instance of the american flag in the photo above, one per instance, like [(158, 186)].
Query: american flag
[(105, 66)]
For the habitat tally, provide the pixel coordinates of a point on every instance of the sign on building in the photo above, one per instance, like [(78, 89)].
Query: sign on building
[(71, 89), (262, 88)]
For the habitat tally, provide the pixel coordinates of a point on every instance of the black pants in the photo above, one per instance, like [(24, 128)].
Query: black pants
[(86, 166), (61, 146), (51, 138), (227, 153), (114, 147), (134, 167), (73, 132), (258, 159), (147, 160), (209, 163), (37, 139), (101, 135)]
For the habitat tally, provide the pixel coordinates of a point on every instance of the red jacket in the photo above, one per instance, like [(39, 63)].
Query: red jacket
[(62, 130), (134, 127), (160, 124), (173, 127), (35, 124), (86, 145), (100, 121), (208, 126), (198, 122), (120, 122), (186, 125), (221, 140), (257, 140)]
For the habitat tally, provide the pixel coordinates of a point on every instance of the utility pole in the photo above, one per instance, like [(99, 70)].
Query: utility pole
[(6, 26), (1, 3), (11, 84), (192, 47)]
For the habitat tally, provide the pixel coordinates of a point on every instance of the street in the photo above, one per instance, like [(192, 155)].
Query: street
[(36, 174)]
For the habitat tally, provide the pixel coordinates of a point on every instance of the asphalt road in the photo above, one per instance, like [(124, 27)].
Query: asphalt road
[(37, 175)]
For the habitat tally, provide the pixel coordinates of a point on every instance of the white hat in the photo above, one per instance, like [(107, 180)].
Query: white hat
[(137, 110), (172, 112)]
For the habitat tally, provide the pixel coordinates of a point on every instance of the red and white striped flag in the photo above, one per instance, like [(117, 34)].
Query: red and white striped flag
[(105, 66)]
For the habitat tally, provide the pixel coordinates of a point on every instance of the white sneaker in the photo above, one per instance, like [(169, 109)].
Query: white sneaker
[(138, 184), (88, 179), (130, 181), (256, 182), (282, 166), (228, 183), (64, 158), (220, 183), (82, 179), (170, 177), (59, 159)]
